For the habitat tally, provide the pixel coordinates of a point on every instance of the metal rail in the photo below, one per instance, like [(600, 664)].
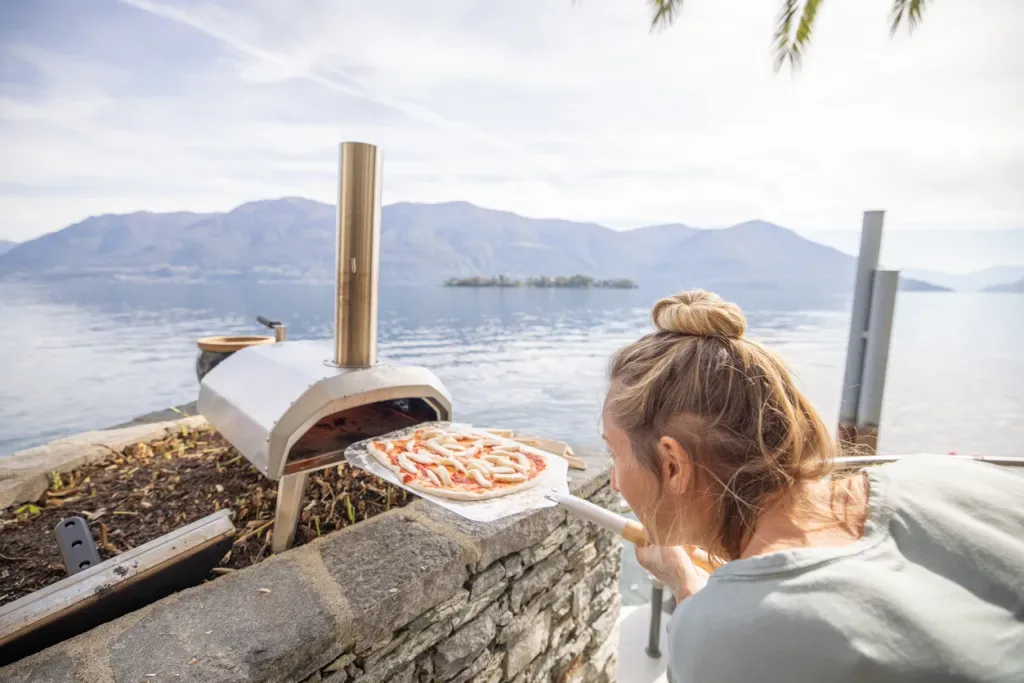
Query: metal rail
[(880, 459)]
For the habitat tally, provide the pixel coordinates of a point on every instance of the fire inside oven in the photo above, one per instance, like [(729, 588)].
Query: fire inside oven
[(324, 443)]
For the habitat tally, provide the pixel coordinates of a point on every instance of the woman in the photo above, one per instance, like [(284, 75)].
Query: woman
[(912, 571)]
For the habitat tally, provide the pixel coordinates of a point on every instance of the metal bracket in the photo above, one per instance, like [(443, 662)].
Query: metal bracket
[(77, 549)]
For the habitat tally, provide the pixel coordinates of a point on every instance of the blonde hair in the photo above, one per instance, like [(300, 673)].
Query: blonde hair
[(731, 403)]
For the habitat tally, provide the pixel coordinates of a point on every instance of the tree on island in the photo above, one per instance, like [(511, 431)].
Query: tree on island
[(542, 282)]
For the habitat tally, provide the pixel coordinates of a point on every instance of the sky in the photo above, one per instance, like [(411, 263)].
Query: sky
[(549, 108)]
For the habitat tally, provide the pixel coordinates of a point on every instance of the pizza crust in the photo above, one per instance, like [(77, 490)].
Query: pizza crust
[(444, 492)]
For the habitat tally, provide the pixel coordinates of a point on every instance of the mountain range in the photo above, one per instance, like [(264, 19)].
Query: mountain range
[(1017, 286), (975, 281), (293, 238), (6, 246)]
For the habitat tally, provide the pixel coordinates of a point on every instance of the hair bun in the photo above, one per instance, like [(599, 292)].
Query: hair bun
[(699, 314)]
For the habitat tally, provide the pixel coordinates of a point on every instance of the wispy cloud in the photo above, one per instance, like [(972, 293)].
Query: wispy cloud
[(546, 108)]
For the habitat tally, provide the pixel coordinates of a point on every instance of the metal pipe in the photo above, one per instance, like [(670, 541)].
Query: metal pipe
[(867, 262), (876, 356), (358, 255), (654, 636), (881, 459)]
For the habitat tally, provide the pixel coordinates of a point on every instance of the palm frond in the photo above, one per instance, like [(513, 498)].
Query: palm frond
[(790, 44), (665, 12), (783, 31), (908, 11)]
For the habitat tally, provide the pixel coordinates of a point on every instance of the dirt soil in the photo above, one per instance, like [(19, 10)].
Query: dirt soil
[(149, 489)]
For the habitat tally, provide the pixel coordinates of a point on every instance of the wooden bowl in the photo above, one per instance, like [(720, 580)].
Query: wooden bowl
[(213, 350)]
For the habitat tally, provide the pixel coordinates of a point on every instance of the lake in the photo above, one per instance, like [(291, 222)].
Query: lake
[(82, 355)]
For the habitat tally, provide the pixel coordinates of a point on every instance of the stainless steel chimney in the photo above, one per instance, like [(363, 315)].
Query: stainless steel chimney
[(358, 260), (294, 406)]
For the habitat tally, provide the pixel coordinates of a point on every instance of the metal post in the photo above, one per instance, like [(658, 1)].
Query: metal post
[(867, 262), (654, 636), (288, 510), (358, 255), (876, 357)]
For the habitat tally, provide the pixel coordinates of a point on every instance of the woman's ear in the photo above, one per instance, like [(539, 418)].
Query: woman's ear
[(676, 467)]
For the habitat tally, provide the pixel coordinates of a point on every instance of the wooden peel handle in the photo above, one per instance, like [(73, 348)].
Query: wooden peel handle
[(629, 529), (637, 535)]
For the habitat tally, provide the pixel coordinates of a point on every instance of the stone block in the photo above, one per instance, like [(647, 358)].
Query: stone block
[(412, 647), (265, 623), (406, 675), (603, 602), (446, 610), (513, 564), (520, 652), (482, 602), (561, 630), (562, 588), (482, 668), (562, 605), (543, 550), (425, 667), (462, 647), (607, 498), (382, 648), (568, 658), (486, 579), (340, 663), (605, 621), (335, 677), (605, 540), (595, 576), (390, 571), (606, 648), (584, 483), (537, 578), (520, 623), (584, 556), (52, 665)]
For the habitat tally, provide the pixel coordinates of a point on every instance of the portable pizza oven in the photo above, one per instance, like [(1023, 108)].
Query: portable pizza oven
[(293, 407)]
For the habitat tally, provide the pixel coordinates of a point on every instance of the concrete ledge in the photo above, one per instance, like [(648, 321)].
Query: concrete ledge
[(23, 475)]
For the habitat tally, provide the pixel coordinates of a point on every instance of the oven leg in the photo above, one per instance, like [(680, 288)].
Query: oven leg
[(289, 508)]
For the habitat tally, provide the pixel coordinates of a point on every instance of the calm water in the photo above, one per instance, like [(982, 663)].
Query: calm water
[(78, 356)]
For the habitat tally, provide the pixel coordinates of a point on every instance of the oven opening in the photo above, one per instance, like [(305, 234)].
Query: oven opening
[(324, 443)]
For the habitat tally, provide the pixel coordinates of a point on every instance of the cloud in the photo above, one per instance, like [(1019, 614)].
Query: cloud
[(546, 108)]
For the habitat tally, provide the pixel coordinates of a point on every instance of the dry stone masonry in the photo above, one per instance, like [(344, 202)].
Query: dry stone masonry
[(417, 594)]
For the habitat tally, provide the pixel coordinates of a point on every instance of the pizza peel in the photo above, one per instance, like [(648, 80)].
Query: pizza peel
[(552, 489)]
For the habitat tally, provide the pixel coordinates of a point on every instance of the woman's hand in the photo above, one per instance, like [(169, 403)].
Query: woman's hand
[(673, 567)]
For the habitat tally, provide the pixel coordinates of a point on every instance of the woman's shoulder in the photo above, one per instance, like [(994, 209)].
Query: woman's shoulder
[(944, 493)]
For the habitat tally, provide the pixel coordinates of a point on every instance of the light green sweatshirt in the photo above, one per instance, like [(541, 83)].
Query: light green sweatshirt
[(933, 592)]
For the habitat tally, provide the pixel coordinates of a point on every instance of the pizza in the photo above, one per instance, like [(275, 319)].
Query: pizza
[(461, 466)]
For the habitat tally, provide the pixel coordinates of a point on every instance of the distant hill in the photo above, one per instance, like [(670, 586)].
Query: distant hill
[(975, 281), (6, 246), (1017, 286), (293, 238), (908, 284), (949, 250)]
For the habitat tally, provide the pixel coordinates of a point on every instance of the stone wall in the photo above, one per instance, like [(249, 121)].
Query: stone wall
[(416, 594)]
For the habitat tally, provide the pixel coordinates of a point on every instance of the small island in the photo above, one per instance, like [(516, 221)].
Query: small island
[(544, 282)]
